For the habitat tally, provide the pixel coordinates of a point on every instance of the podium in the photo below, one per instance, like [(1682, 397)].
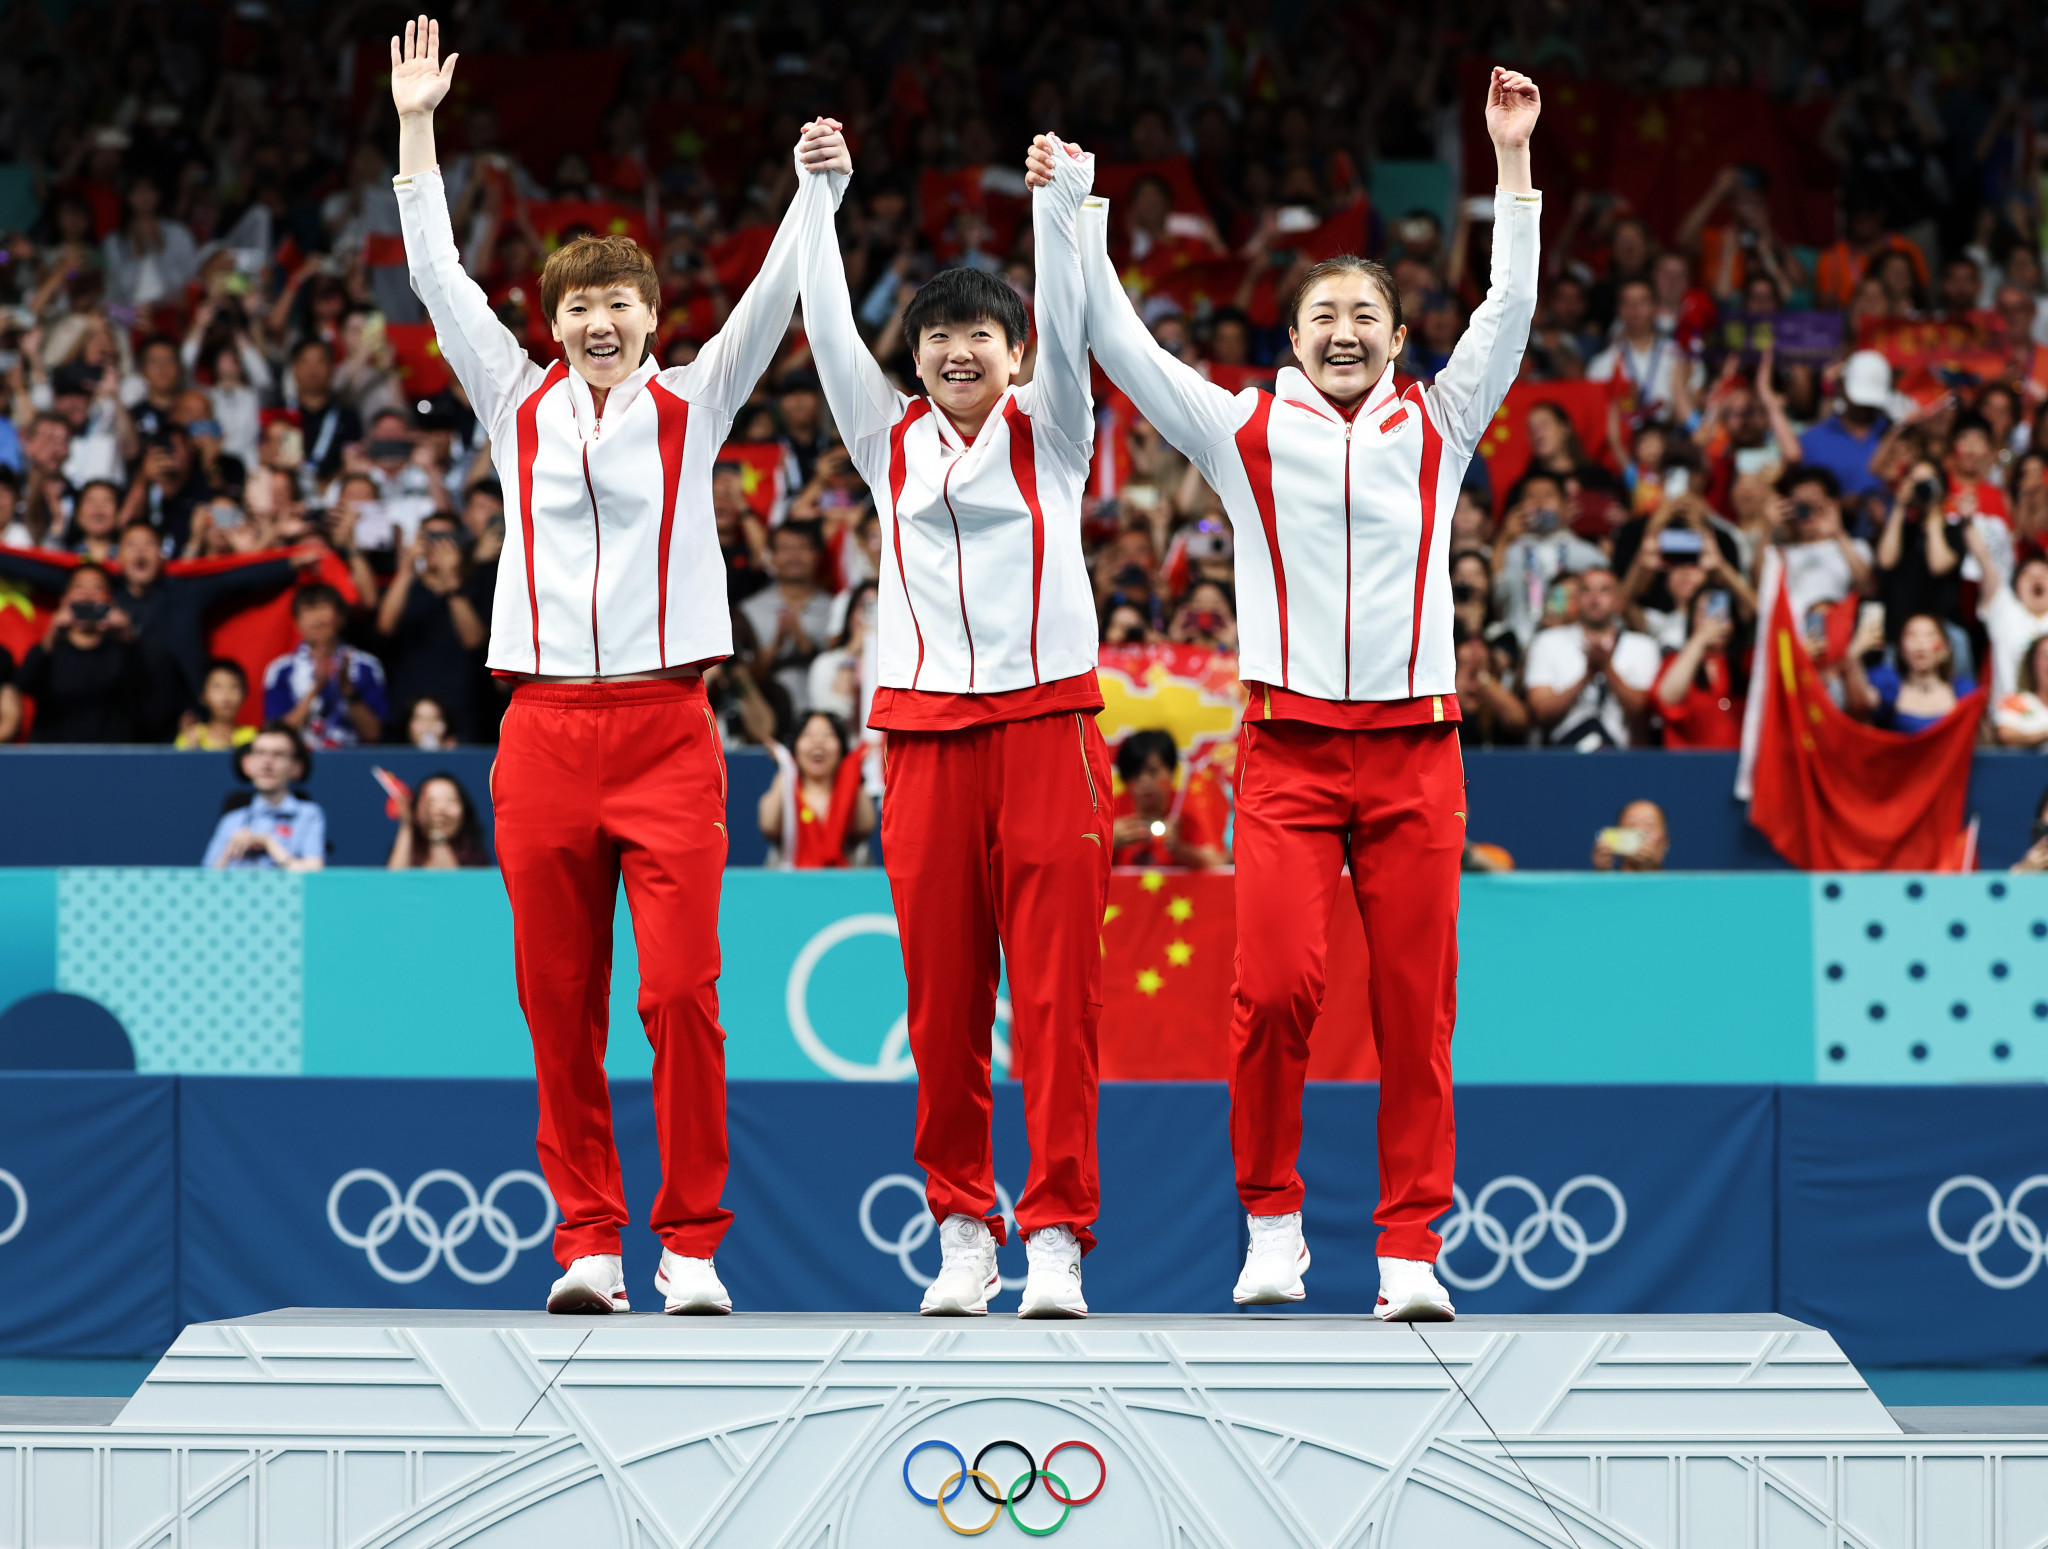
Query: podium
[(375, 1429)]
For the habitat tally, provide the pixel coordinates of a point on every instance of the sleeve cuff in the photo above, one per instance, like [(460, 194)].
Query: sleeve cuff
[(1505, 199)]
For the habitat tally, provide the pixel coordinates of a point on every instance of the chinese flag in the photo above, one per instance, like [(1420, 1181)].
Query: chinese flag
[(383, 251), (1169, 945), (551, 218), (1505, 446), (418, 353), (761, 465), (24, 616), (1832, 794), (738, 258)]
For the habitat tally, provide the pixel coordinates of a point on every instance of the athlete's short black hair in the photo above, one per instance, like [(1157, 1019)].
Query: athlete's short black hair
[(965, 296)]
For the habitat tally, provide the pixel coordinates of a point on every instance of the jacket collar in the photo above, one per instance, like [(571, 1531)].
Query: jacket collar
[(949, 433), (1293, 386), (616, 402)]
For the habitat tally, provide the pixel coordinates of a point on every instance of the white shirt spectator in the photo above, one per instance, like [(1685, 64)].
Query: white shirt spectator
[(1557, 660), (1528, 566), (1654, 372), (1819, 572), (2012, 626), (144, 279)]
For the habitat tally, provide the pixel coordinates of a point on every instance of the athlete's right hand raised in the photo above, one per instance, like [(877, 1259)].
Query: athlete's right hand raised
[(420, 77), (1038, 161)]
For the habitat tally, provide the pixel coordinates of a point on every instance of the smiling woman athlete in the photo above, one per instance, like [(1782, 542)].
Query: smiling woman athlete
[(996, 820), (611, 599), (1340, 487)]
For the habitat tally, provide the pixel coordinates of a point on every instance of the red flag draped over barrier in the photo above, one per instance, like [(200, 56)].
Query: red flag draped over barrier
[(1832, 794)]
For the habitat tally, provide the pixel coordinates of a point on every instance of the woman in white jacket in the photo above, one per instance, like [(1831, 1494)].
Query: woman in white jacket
[(611, 600), (1340, 485)]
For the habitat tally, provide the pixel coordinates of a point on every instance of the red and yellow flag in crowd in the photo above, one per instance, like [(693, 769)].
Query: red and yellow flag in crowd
[(1834, 794), (1189, 691), (1169, 943)]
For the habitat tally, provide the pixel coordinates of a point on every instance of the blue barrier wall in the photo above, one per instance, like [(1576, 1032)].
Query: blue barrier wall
[(154, 807), (1765, 977), (152, 1202)]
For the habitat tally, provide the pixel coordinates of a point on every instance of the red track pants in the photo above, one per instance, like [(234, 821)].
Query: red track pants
[(1394, 802), (996, 839), (595, 781)]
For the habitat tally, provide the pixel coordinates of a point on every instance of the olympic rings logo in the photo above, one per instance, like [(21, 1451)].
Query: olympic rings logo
[(1473, 1218), (893, 1062), (917, 1230), (13, 1186), (406, 1211), (2002, 1216), (1005, 1501)]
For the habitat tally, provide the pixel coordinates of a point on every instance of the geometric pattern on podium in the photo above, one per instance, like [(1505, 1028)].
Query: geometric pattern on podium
[(381, 1430)]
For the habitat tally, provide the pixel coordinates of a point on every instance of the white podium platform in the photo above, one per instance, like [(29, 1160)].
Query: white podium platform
[(383, 1430)]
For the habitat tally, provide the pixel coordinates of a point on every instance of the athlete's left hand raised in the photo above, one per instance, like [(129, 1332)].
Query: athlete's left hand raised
[(822, 147), (1512, 107)]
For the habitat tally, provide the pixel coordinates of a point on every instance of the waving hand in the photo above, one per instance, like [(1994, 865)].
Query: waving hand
[(420, 77)]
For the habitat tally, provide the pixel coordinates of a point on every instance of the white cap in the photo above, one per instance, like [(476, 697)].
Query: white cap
[(1867, 380)]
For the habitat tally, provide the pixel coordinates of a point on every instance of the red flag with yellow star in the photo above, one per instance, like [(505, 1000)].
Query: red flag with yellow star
[(1832, 794), (1505, 445), (1169, 942), (761, 466)]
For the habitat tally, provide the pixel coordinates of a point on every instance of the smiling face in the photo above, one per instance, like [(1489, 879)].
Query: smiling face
[(604, 332), (817, 749), (967, 366), (1344, 335)]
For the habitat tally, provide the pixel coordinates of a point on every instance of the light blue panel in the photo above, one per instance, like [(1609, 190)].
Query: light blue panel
[(203, 968), (1400, 186), (28, 933), (1590, 978), (1930, 977), (409, 973)]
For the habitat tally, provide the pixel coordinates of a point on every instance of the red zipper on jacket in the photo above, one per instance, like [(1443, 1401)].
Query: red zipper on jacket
[(960, 565), (597, 535), (1347, 558)]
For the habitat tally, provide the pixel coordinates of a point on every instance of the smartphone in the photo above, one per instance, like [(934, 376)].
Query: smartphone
[(1680, 543), (1293, 218), (1622, 841), (1719, 606), (1677, 482)]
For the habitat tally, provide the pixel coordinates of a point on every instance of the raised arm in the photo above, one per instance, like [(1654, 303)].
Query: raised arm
[(1482, 368), (486, 358), (723, 375), (1188, 409), (864, 406), (1059, 390)]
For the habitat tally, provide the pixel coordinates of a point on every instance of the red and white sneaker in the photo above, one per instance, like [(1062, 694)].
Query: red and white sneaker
[(690, 1285), (1274, 1262), (595, 1283), (967, 1270), (1411, 1293), (1052, 1283)]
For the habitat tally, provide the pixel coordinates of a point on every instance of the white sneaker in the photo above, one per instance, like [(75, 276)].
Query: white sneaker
[(1411, 1293), (1052, 1285), (1274, 1263), (595, 1283), (690, 1285), (967, 1270)]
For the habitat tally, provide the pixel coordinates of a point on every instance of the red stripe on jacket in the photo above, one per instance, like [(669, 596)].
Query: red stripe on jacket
[(899, 471), (1432, 460), (673, 432), (1256, 451), (529, 448), (1024, 467)]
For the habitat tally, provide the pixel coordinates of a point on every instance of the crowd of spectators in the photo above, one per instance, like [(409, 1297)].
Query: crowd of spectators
[(202, 355)]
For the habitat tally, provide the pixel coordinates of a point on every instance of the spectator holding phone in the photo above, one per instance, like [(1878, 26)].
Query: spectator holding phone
[(1916, 693), (1588, 682), (1638, 841), (440, 829), (1205, 617), (221, 697), (85, 674), (432, 623), (329, 692), (273, 826), (1162, 820), (1535, 547), (1697, 691)]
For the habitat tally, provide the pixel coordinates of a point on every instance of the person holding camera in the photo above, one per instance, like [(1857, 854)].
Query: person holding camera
[(1822, 562), (1920, 549), (1639, 840), (86, 674), (1699, 691), (1534, 548), (1667, 557), (434, 624)]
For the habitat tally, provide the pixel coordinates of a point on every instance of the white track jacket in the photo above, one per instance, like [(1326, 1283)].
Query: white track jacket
[(983, 587), (1342, 526), (611, 562)]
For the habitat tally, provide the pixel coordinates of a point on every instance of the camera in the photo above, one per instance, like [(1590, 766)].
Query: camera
[(1802, 510), (1464, 591), (90, 612), (1925, 492)]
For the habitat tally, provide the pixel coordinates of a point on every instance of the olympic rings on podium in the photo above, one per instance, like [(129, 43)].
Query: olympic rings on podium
[(1004, 1501), (969, 1532)]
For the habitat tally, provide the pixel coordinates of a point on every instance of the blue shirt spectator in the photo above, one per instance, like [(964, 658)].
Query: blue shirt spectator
[(1844, 450), (277, 827), (10, 446), (331, 694)]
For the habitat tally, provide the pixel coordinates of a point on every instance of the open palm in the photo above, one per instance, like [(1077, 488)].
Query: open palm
[(419, 76)]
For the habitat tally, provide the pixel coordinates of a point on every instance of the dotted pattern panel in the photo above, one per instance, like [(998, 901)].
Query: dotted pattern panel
[(1930, 978), (205, 969)]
